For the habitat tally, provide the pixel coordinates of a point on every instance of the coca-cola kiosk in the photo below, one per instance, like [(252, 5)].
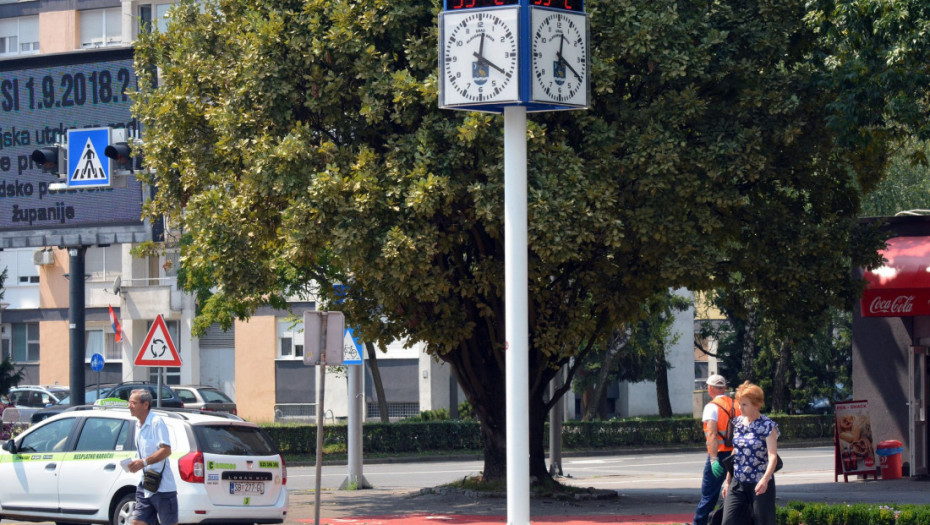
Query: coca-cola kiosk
[(891, 337)]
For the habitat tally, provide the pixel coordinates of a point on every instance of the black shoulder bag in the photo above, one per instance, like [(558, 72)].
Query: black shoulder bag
[(151, 479)]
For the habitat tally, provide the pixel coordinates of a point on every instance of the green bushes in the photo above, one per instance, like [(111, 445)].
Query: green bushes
[(431, 433), (800, 513)]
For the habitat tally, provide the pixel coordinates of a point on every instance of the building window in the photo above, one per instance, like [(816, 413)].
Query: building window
[(290, 339), (19, 36), (159, 22), (104, 263), (101, 27), (21, 342), (100, 342)]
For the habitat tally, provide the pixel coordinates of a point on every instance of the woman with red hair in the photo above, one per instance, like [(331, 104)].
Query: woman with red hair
[(749, 490)]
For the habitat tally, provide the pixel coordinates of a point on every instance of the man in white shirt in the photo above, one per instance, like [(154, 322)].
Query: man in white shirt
[(715, 418), (154, 446)]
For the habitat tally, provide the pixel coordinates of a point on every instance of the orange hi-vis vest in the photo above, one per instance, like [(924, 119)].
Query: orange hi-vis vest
[(726, 408)]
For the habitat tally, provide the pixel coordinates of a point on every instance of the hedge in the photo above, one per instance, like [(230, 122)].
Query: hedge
[(801, 513), (465, 436)]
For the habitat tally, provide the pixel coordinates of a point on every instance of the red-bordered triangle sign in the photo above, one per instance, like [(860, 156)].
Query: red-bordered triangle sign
[(158, 348)]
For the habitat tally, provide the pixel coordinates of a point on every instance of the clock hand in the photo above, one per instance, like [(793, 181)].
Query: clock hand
[(488, 62), (569, 66), (481, 48), (561, 43)]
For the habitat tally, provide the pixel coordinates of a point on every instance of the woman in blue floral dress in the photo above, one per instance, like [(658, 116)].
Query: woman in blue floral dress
[(749, 490)]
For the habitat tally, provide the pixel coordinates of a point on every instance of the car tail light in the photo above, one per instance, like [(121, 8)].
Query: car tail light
[(283, 470), (235, 412), (205, 409), (191, 467)]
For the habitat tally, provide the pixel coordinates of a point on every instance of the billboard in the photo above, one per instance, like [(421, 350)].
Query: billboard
[(41, 98)]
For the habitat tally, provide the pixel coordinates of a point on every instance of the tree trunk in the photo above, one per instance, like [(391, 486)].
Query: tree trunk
[(779, 403), (662, 397), (599, 393), (747, 373), (376, 379)]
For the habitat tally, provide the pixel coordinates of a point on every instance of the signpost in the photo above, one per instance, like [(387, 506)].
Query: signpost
[(96, 364), (514, 57), (324, 334), (158, 350)]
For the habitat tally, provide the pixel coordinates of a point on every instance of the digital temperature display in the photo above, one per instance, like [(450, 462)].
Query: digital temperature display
[(452, 5), (568, 5)]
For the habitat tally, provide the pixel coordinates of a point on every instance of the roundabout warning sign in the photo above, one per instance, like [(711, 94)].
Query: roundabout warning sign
[(158, 348)]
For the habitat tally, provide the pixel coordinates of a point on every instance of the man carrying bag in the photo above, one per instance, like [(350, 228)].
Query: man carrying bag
[(716, 419), (156, 496)]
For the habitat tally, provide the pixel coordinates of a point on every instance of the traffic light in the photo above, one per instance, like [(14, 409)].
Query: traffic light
[(121, 152), (49, 159)]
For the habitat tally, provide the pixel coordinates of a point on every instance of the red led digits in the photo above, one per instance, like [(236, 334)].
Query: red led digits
[(452, 5)]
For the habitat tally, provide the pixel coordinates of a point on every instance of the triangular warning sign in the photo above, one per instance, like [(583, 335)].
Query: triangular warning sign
[(158, 348), (89, 166)]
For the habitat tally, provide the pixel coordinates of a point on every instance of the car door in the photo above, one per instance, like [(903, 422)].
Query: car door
[(30, 476), (92, 470)]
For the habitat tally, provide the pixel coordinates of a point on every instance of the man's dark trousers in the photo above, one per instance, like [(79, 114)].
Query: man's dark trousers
[(710, 490)]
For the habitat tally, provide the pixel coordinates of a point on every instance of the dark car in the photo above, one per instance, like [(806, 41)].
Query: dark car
[(111, 392), (121, 391), (90, 396), (205, 398)]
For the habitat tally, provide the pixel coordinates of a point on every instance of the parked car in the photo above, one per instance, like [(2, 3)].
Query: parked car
[(90, 396), (67, 469), (205, 398), (35, 396), (121, 392)]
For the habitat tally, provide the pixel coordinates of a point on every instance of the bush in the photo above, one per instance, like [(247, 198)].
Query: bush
[(798, 513), (430, 432)]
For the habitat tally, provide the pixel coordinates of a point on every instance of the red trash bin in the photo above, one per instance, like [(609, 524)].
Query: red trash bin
[(890, 453)]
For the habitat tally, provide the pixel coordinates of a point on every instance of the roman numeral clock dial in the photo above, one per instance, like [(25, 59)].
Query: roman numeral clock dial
[(479, 57), (560, 57)]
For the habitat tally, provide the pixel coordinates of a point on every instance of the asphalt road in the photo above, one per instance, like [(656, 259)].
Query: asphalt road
[(674, 469)]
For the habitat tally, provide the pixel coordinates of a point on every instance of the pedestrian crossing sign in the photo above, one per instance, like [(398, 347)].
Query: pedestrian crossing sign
[(87, 165)]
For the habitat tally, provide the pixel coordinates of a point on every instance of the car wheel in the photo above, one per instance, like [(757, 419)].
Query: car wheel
[(122, 513)]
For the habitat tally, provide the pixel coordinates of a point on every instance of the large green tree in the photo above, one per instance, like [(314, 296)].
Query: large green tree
[(299, 141)]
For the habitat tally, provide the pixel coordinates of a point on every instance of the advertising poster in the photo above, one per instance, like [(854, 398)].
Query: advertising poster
[(41, 98), (855, 446)]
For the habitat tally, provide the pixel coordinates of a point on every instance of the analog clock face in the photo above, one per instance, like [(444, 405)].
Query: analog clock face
[(560, 57), (479, 57)]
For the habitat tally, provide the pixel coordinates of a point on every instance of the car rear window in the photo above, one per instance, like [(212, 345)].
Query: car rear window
[(214, 396), (233, 440)]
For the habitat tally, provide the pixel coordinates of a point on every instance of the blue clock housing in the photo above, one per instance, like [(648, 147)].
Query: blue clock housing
[(525, 50)]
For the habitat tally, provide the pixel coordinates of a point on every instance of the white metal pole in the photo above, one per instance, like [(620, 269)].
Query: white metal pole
[(321, 390), (515, 310), (356, 479)]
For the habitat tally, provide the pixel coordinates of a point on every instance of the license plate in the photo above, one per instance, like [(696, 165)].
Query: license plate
[(246, 487)]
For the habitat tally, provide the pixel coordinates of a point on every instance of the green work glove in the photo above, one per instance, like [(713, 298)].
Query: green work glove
[(717, 468)]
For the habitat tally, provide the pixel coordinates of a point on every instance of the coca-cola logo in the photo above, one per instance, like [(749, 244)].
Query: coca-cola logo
[(902, 304)]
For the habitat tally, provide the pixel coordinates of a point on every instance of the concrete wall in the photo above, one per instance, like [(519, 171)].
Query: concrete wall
[(879, 374), (55, 353), (64, 36), (639, 399), (256, 349)]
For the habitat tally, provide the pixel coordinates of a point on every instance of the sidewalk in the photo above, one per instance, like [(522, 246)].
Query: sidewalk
[(647, 501)]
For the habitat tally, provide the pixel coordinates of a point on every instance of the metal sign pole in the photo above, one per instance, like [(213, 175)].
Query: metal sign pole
[(516, 298), (319, 421)]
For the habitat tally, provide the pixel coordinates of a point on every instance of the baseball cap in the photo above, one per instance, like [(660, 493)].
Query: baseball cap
[(717, 380)]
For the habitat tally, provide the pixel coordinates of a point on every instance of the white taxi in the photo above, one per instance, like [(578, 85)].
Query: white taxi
[(67, 469)]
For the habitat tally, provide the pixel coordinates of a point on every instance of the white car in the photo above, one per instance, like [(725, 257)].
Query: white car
[(67, 469)]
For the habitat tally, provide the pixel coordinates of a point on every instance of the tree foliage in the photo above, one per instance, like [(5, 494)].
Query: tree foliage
[(298, 142)]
